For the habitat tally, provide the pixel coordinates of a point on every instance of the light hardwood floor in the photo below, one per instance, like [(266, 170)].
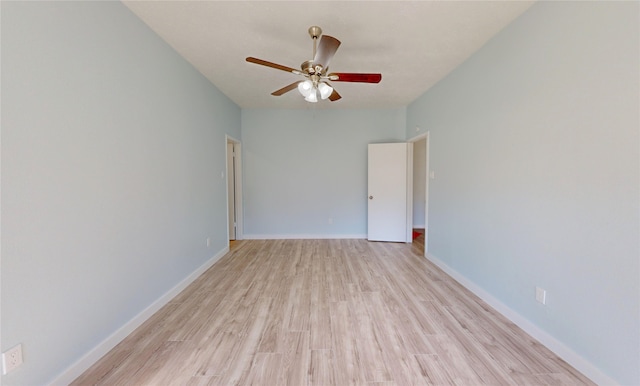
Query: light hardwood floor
[(328, 312)]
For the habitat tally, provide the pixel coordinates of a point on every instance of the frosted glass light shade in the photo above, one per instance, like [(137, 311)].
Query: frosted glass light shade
[(325, 90), (305, 88), (312, 97)]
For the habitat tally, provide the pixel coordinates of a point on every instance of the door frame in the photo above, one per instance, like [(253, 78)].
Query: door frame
[(426, 192), (409, 226), (237, 185)]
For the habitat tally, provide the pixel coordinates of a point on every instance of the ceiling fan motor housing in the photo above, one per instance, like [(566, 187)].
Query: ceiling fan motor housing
[(307, 67)]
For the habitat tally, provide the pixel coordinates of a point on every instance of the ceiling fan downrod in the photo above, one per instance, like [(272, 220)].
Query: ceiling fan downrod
[(315, 32)]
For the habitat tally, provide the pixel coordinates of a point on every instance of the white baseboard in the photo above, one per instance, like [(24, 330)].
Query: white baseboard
[(560, 349), (301, 237), (80, 366)]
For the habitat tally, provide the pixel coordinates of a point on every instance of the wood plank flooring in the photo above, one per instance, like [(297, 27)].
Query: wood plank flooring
[(328, 312)]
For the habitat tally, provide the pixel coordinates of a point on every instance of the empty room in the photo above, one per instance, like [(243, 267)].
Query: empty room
[(320, 192)]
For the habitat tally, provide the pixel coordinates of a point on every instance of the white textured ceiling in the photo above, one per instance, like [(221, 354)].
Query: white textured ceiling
[(413, 44)]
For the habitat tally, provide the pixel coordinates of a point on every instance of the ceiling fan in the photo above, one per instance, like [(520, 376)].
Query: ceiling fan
[(316, 71)]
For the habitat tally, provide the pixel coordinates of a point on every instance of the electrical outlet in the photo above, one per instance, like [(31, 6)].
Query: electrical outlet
[(208, 242), (11, 359)]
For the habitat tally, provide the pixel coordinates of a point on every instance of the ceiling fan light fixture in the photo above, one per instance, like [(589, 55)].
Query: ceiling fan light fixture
[(325, 90)]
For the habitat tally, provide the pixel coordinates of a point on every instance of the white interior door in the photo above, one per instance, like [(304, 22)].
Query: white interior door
[(388, 183), (231, 177)]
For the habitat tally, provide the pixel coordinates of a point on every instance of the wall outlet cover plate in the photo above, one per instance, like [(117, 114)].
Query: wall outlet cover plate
[(11, 359)]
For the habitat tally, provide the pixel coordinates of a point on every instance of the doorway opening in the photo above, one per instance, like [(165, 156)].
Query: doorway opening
[(421, 192), (234, 189)]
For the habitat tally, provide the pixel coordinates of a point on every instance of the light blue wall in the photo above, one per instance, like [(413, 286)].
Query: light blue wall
[(112, 149), (304, 167), (534, 144)]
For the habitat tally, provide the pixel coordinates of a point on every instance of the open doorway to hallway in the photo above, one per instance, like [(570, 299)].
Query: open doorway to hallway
[(420, 192)]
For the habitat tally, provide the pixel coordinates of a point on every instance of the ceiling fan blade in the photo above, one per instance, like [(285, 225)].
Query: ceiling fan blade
[(355, 77), (272, 65), (326, 49), (286, 89), (334, 96)]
